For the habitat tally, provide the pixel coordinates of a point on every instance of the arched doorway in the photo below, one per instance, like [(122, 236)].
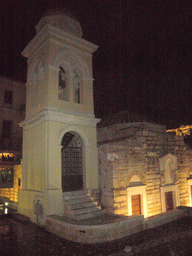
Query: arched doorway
[(72, 162)]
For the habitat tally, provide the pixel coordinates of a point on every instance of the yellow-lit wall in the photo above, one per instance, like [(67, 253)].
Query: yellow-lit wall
[(13, 193)]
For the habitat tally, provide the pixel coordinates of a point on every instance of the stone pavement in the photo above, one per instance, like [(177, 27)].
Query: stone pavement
[(20, 237), (173, 244)]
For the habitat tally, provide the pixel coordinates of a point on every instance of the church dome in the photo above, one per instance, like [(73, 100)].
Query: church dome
[(62, 19), (59, 11)]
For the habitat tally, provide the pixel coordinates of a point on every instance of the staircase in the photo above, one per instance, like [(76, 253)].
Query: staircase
[(79, 206)]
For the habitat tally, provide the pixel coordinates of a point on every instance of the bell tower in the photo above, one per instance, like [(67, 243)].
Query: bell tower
[(59, 117)]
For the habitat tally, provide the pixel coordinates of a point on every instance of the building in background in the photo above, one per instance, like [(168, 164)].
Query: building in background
[(12, 112)]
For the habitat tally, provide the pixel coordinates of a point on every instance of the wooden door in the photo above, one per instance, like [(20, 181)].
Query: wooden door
[(169, 201), (136, 204), (191, 192)]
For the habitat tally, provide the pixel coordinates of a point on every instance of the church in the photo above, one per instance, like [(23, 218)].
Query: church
[(75, 166), (143, 168)]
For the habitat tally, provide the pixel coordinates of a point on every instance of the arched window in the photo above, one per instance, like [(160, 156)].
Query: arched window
[(62, 90), (168, 169), (72, 162)]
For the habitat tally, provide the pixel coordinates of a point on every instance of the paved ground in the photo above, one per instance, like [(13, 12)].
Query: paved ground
[(23, 238)]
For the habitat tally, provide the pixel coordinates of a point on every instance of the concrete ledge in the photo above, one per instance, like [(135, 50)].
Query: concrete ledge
[(94, 233), (91, 231), (163, 218), (186, 209), (12, 205)]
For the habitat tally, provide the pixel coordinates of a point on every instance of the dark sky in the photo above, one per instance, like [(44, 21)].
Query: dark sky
[(144, 59)]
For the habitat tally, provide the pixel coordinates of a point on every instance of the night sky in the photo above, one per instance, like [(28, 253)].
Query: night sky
[(144, 59)]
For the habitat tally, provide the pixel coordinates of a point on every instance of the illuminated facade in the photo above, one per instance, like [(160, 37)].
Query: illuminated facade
[(143, 169), (12, 105)]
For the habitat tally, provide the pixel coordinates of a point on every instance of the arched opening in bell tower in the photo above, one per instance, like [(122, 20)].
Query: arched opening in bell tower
[(72, 162), (77, 86), (63, 86)]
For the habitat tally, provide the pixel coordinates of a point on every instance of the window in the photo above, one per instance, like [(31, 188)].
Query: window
[(8, 97), (7, 129), (6, 178)]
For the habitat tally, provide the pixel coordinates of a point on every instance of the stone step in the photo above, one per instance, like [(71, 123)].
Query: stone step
[(75, 192), (79, 201), (84, 205), (80, 205), (85, 210), (89, 215), (74, 195)]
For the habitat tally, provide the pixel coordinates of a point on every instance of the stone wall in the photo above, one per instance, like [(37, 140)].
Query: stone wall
[(130, 149)]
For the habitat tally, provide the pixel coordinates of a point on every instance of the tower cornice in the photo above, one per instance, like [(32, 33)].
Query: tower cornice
[(55, 116), (49, 32)]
